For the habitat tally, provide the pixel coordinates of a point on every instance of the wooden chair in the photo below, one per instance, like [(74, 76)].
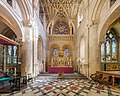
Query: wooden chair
[(60, 74), (104, 81), (95, 77)]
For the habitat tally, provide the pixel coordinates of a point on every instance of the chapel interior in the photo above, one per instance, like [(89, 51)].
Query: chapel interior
[(60, 47)]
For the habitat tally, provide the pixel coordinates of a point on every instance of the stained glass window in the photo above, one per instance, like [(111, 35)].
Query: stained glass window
[(109, 47), (103, 52), (114, 50), (12, 54), (108, 57), (9, 56), (66, 52), (55, 52), (61, 28)]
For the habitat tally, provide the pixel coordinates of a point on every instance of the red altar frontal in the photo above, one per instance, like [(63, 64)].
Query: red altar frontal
[(56, 69)]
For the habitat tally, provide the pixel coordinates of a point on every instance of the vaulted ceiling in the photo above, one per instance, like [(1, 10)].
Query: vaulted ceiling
[(59, 9)]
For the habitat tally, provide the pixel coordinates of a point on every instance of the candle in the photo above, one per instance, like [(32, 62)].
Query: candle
[(15, 70), (70, 60), (7, 70)]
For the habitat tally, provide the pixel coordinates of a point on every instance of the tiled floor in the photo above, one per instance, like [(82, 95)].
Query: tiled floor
[(49, 85)]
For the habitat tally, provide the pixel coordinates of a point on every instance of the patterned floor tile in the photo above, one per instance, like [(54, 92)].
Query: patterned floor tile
[(48, 86), (71, 94), (18, 94)]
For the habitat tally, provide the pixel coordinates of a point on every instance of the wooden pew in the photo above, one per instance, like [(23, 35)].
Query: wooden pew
[(112, 74)]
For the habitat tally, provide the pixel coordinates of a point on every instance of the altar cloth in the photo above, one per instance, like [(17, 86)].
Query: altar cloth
[(57, 69)]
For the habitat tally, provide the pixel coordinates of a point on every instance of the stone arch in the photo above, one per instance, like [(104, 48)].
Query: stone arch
[(68, 47), (25, 9), (73, 26), (97, 10), (49, 27), (81, 9), (11, 20), (108, 20), (18, 33), (52, 48)]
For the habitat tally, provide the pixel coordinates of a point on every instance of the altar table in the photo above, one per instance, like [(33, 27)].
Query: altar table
[(60, 69)]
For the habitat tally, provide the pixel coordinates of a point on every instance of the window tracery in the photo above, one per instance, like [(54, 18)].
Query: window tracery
[(55, 52), (109, 48), (66, 52), (11, 54), (61, 28)]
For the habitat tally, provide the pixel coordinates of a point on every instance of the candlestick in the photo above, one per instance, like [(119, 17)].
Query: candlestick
[(15, 70)]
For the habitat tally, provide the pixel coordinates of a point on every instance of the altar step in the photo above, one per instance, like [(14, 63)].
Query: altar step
[(66, 76)]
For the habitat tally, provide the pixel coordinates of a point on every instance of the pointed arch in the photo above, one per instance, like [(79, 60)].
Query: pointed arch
[(52, 47), (25, 9), (107, 21), (97, 10), (11, 20)]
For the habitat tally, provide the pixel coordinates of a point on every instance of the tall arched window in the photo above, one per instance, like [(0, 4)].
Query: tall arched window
[(55, 52), (66, 52), (12, 54), (109, 48), (103, 52)]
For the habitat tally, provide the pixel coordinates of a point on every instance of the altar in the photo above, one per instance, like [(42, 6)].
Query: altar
[(61, 62), (56, 69)]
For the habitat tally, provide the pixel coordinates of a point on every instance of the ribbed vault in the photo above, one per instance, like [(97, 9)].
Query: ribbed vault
[(59, 9)]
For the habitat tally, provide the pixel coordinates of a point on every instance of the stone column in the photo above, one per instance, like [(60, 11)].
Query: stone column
[(48, 59), (4, 65), (27, 50), (93, 49), (43, 64), (70, 26), (52, 28)]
